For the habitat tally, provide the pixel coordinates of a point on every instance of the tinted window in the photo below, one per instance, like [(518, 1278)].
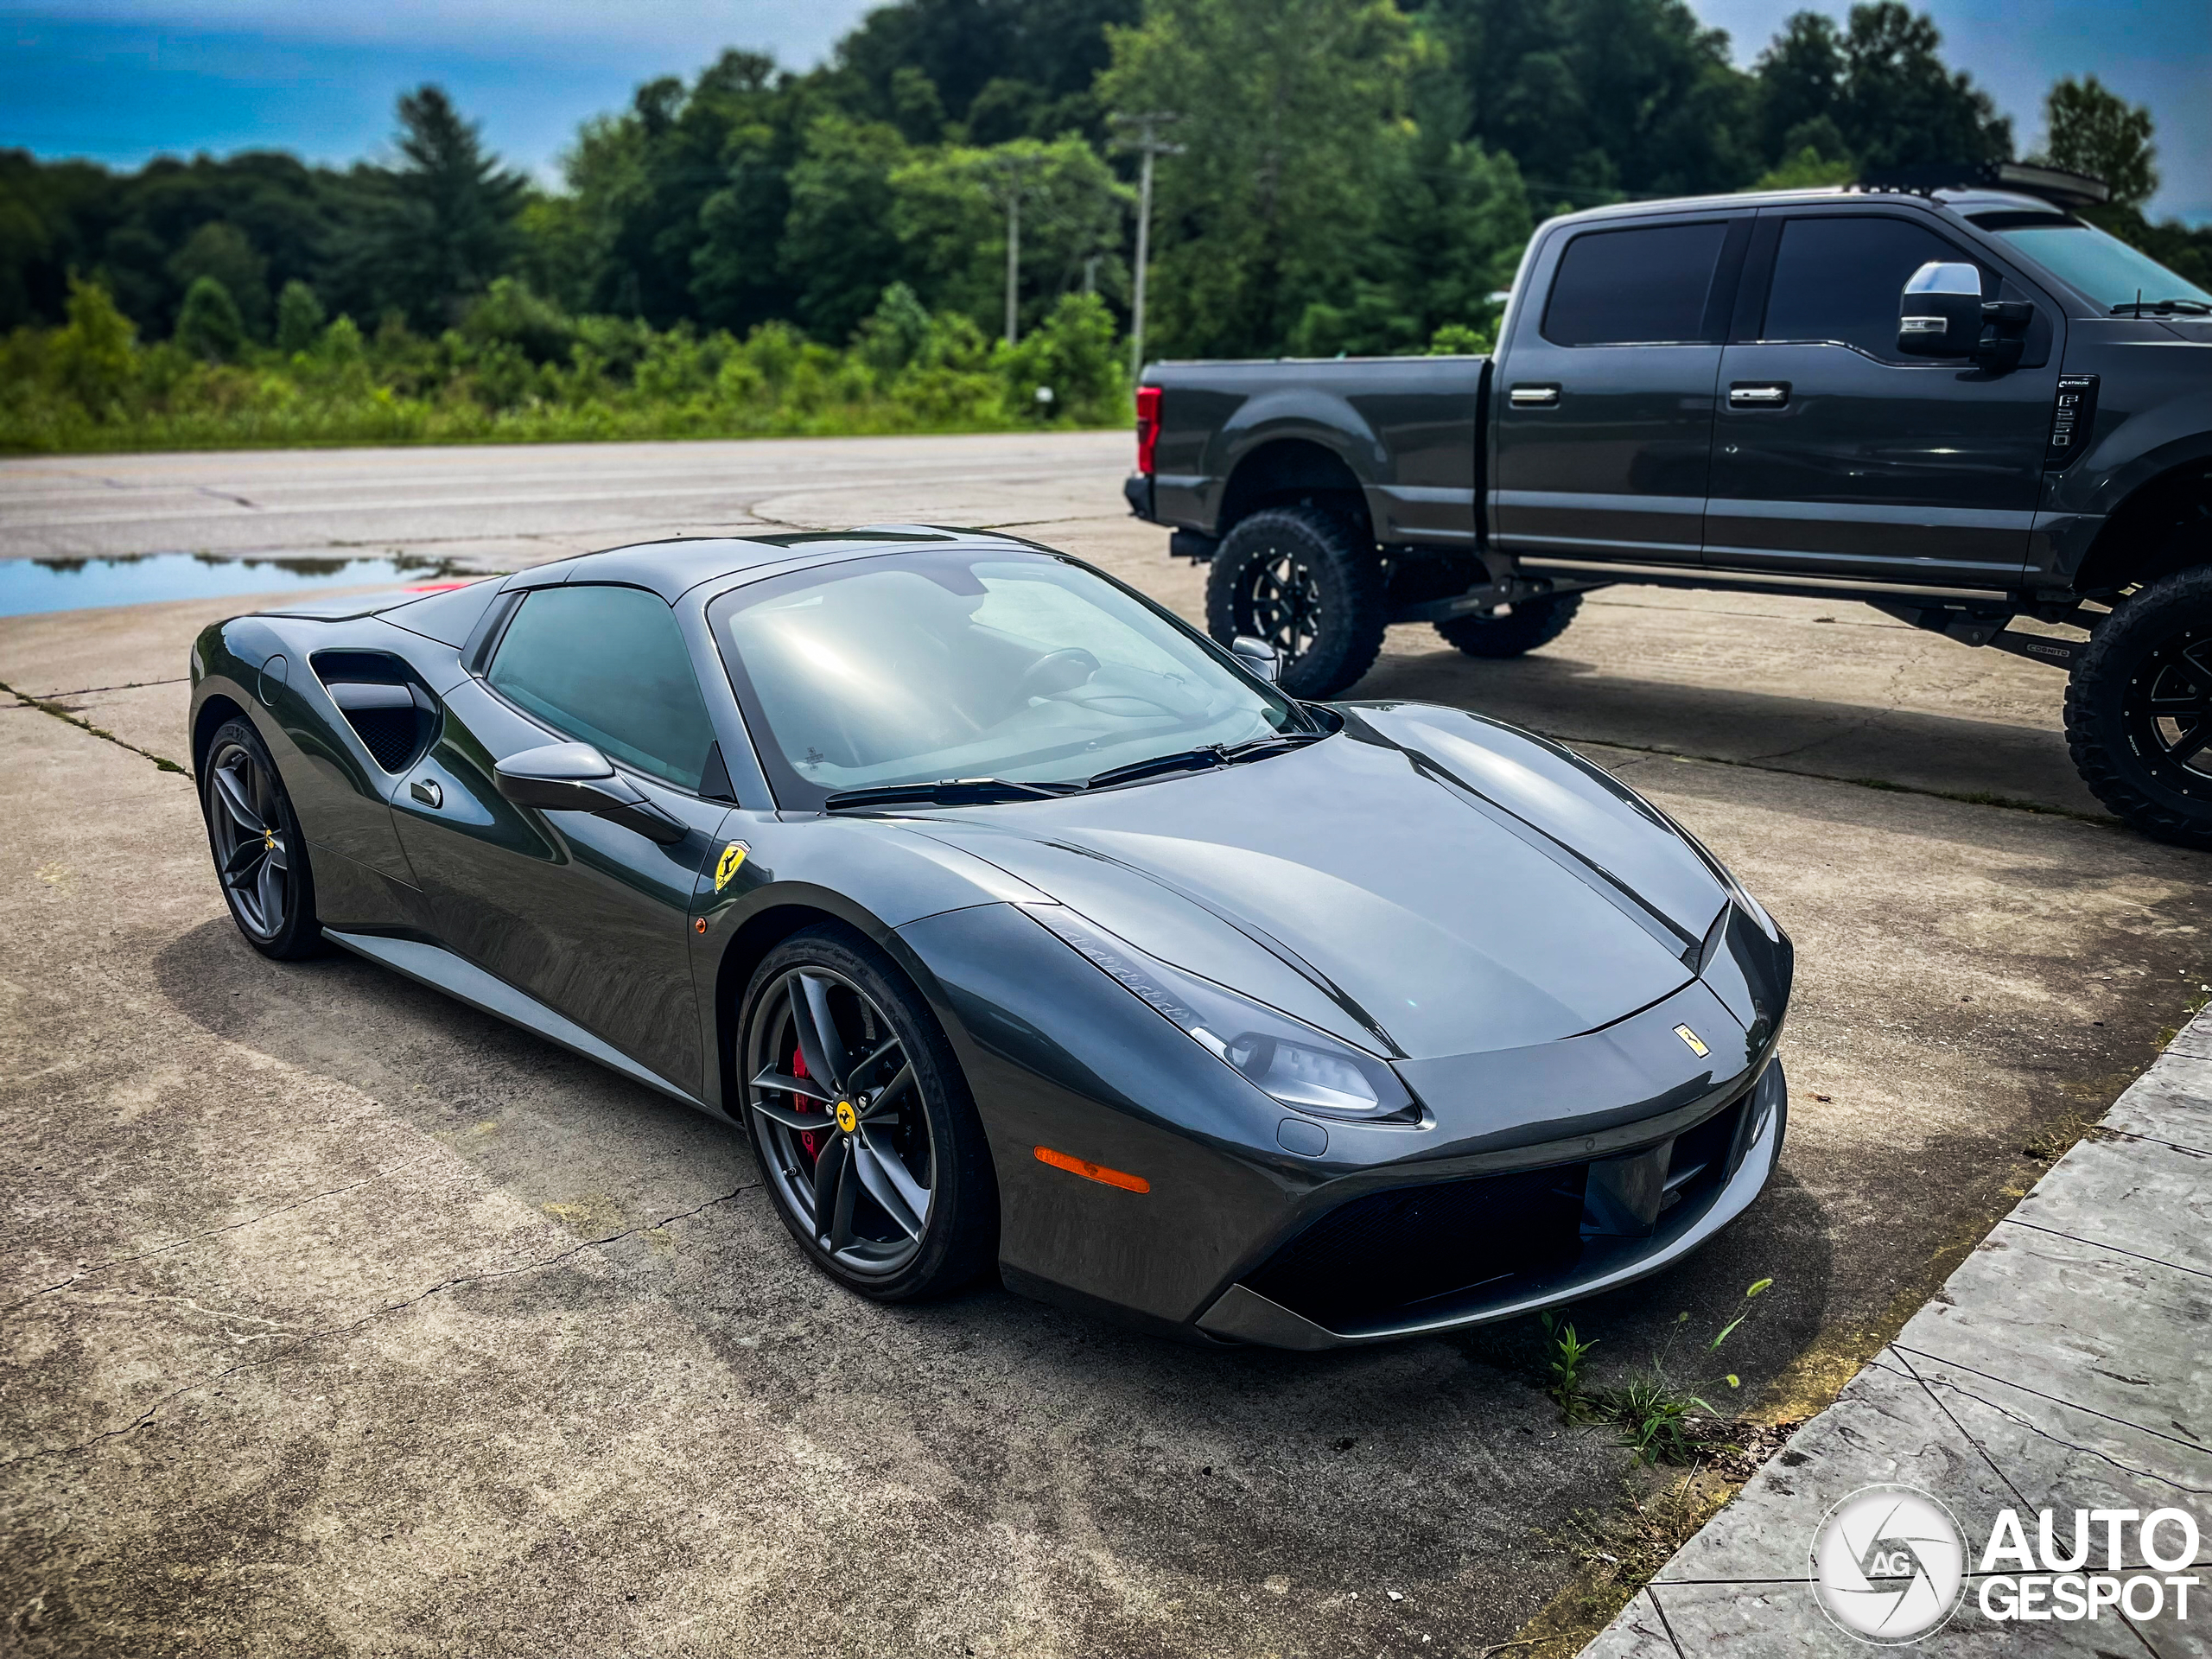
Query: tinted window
[(607, 665), (926, 666), (1839, 278), (1623, 287)]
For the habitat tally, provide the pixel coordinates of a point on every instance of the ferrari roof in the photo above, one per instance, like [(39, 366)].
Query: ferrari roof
[(674, 566)]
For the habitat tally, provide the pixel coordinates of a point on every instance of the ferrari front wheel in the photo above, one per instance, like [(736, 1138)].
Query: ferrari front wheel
[(261, 857), (862, 1122)]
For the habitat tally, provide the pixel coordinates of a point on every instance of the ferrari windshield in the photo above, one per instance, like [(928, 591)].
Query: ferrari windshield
[(924, 666)]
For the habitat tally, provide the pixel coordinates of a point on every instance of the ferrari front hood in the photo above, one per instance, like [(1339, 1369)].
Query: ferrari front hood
[(1424, 874)]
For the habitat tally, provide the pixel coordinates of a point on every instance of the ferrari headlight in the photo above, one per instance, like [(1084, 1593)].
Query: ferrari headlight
[(1287, 1059)]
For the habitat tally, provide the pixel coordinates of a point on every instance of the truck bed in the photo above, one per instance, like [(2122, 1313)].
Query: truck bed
[(1412, 421)]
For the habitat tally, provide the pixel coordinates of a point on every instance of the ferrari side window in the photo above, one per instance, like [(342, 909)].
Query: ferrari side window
[(608, 667)]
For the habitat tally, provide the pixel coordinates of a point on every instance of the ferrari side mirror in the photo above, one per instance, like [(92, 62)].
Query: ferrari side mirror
[(577, 777), (1258, 656)]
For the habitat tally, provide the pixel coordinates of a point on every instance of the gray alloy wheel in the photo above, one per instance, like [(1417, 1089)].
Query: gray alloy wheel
[(259, 856), (839, 1120)]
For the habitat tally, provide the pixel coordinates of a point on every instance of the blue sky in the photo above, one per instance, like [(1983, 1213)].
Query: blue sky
[(120, 80)]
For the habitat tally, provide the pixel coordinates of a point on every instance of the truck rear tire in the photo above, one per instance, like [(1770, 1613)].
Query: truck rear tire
[(1531, 623), (1299, 578), (2138, 709)]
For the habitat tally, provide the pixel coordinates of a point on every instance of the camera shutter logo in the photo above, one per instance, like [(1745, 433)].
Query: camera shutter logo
[(1888, 1564)]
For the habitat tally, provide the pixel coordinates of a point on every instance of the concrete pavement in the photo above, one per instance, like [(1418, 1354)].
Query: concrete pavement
[(2061, 1367), (440, 1338)]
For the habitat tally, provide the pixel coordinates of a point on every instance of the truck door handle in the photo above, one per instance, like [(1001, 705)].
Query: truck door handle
[(1758, 394), (426, 791), (1534, 397)]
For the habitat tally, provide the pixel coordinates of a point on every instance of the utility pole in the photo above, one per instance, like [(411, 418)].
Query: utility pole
[(1142, 134), (1012, 173), (1013, 263)]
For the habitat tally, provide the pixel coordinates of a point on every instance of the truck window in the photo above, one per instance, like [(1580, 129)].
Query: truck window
[(1837, 278), (1641, 287)]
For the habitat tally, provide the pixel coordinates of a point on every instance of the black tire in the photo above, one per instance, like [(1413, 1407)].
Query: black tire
[(1517, 631), (877, 1254), (2138, 709), (1301, 579), (261, 857)]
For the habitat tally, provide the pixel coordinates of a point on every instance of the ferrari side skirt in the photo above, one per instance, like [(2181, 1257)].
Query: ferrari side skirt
[(441, 971), (1241, 1314)]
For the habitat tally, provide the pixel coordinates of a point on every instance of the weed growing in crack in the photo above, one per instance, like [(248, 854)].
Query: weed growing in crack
[(1658, 1415)]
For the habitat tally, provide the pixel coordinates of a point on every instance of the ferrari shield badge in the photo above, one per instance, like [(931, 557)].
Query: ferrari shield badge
[(733, 855), (1697, 1045)]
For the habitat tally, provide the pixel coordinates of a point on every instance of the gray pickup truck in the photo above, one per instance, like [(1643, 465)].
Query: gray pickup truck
[(1962, 405)]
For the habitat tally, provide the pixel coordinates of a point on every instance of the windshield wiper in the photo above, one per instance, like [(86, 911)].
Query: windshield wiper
[(1184, 761), (1213, 754), (946, 791), (1273, 742), (2187, 307)]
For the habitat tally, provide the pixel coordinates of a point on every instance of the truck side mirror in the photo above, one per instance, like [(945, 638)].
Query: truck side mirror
[(1939, 314), (1258, 656)]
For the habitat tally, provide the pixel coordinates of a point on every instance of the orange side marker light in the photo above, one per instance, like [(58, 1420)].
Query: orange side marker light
[(699, 927), (1091, 1171)]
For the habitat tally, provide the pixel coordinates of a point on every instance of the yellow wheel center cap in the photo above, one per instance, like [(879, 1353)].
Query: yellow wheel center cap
[(847, 1119)]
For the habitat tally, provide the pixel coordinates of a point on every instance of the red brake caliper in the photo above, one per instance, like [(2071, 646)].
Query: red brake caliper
[(799, 1103)]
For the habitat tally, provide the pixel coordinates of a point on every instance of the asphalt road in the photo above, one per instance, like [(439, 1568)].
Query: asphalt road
[(341, 1317)]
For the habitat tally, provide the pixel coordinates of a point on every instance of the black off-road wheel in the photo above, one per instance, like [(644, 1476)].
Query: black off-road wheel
[(1301, 579), (2138, 709), (1512, 631), (862, 1122), (261, 857)]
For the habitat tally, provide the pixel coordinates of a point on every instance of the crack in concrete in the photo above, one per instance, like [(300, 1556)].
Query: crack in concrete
[(162, 763), (128, 685), (295, 1345), (2100, 1244), (1964, 798), (2010, 1415), (1894, 700), (189, 1240), (1950, 1417)]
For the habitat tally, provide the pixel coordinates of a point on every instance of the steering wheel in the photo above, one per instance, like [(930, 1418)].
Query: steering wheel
[(1054, 673)]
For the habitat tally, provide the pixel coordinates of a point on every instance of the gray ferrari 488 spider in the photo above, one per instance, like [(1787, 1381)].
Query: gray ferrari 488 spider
[(1018, 923)]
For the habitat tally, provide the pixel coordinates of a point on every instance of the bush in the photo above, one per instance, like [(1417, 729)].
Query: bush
[(209, 326), (1076, 358), (90, 357), (299, 318)]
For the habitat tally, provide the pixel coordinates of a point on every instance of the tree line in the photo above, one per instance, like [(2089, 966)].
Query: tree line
[(1354, 176)]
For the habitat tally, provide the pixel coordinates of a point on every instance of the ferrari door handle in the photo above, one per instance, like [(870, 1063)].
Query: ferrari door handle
[(426, 789), (1534, 397), (1758, 394)]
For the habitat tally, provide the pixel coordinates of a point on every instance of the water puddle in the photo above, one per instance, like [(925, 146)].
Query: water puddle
[(28, 586)]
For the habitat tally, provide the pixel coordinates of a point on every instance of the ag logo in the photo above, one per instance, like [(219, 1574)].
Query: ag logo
[(1888, 1564), (733, 855)]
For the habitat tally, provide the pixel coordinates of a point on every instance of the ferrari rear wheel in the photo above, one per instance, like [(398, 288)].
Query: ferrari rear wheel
[(866, 1134), (260, 856)]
